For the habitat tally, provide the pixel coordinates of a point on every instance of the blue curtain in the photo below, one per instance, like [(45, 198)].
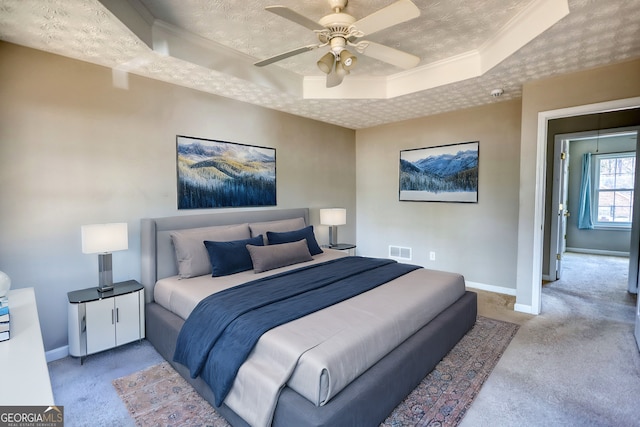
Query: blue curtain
[(584, 213)]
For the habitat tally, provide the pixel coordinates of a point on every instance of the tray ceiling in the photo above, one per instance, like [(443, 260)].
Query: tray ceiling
[(467, 48)]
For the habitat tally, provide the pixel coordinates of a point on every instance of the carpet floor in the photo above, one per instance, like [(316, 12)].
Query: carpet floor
[(575, 364), (158, 396)]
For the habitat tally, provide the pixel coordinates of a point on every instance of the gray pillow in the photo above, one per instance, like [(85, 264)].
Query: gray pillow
[(269, 257), (191, 254), (258, 228)]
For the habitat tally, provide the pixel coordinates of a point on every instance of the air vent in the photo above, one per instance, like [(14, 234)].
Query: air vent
[(399, 252)]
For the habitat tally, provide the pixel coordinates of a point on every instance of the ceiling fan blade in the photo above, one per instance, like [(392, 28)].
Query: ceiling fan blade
[(390, 55), (294, 16), (285, 55), (395, 13)]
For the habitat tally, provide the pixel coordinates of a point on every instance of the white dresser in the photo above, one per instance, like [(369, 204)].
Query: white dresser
[(25, 376)]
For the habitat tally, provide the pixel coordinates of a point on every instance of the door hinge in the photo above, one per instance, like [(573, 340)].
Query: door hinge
[(559, 257), (563, 156)]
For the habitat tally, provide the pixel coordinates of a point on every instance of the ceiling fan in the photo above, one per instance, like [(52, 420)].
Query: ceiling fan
[(339, 30)]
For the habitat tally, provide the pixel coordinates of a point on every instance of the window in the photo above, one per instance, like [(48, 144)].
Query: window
[(614, 182)]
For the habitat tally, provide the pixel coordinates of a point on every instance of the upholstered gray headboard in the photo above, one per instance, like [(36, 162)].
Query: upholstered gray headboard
[(157, 253)]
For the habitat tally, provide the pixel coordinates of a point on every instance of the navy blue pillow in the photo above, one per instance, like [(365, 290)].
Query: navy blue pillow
[(231, 257), (276, 238)]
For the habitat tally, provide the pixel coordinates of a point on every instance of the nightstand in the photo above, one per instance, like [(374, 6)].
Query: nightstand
[(345, 247), (102, 320)]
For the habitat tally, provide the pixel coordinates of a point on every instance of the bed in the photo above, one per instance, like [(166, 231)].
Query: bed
[(379, 384)]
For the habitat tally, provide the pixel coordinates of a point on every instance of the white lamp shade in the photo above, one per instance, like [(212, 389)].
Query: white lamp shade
[(103, 238), (333, 216)]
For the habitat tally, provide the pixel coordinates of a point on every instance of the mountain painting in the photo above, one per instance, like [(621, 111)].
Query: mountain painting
[(447, 173), (218, 174)]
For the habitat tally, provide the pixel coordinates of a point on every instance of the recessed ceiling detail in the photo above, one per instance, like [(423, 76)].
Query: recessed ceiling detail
[(527, 24), (467, 48)]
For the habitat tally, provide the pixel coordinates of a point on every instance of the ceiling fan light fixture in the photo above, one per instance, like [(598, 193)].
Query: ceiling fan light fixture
[(341, 70), (347, 59), (326, 62)]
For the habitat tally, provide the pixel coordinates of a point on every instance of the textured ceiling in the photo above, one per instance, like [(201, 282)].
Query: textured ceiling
[(444, 29), (594, 33)]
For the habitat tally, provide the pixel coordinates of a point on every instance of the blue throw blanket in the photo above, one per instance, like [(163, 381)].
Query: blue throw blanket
[(223, 328)]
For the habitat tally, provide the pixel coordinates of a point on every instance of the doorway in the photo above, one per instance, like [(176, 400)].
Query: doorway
[(592, 200), (532, 215)]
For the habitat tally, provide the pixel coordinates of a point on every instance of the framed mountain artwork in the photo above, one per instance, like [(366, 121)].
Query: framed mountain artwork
[(446, 173), (219, 174)]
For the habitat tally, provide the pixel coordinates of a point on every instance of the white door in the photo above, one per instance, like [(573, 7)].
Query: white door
[(634, 246), (127, 318), (560, 187), (634, 249), (564, 200)]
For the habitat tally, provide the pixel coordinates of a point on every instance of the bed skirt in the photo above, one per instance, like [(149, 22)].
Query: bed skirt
[(370, 398)]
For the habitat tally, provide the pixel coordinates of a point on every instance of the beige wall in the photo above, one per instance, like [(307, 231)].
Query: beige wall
[(477, 240), (599, 85), (75, 150)]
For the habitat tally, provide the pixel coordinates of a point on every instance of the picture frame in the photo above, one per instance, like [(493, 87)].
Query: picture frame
[(444, 173), (222, 174)]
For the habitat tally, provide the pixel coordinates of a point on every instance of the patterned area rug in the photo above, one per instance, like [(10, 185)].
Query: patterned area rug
[(158, 396)]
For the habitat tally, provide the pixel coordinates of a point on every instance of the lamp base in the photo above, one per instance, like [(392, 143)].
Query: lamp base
[(105, 273), (333, 236)]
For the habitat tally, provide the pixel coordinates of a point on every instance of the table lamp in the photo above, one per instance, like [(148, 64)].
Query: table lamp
[(333, 217), (102, 239)]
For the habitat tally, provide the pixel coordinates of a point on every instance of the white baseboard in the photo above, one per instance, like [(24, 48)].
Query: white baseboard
[(522, 308), (598, 252), (57, 353), (491, 288)]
